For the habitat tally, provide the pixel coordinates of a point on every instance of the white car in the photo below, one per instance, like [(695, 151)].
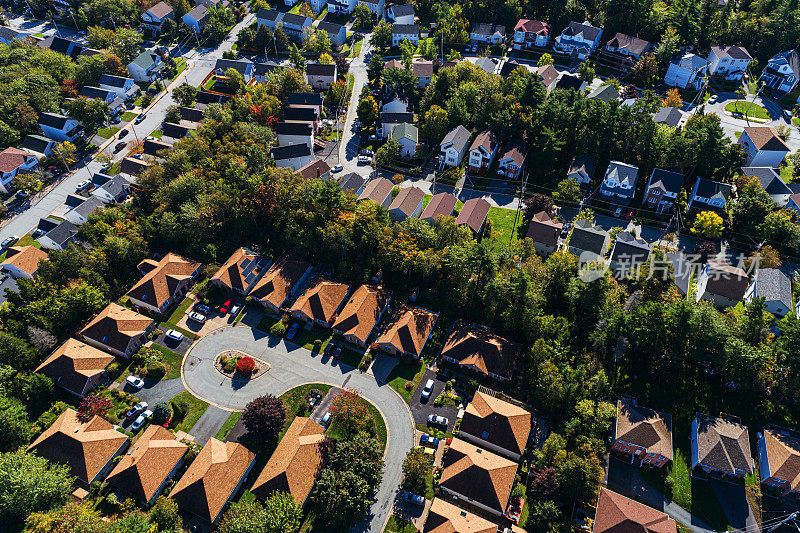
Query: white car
[(474, 48), (364, 159), (82, 185), (134, 381), (326, 419), (197, 317), (713, 99), (427, 389), (174, 335), (337, 169), (139, 422)]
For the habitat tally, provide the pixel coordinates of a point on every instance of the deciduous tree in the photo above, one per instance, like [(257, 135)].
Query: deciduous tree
[(264, 417)]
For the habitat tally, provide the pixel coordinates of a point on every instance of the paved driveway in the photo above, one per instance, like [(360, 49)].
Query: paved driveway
[(292, 366), (422, 408), (160, 391)]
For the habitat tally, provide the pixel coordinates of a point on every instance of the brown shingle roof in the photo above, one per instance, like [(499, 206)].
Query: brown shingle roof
[(498, 422), (275, 286), (144, 468), (473, 213), (161, 283), (644, 427), (445, 517), (422, 69), (321, 300), (315, 169), (481, 351), (618, 514), (517, 151), (362, 310), (733, 52), (73, 364), (377, 190), (212, 477), (766, 138), (409, 329), (548, 73), (115, 326), (441, 204), (295, 463), (25, 258), (487, 139), (533, 26), (726, 280), (394, 63), (783, 456), (633, 44), (407, 200), (160, 10), (231, 274), (544, 229), (478, 474), (12, 158), (84, 447), (723, 444)]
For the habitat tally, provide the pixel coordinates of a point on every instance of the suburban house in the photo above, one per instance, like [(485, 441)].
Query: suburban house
[(582, 169), (320, 302), (379, 191), (123, 87), (604, 93), (488, 64), (473, 213), (782, 71), (407, 204), (38, 146), (213, 478), (549, 76), (296, 113), (154, 148), (336, 32), (544, 232), (729, 62), (487, 33), (401, 14), (771, 182), (588, 242), (176, 131), (76, 367), (154, 18), (671, 116), (23, 261), (341, 6), (295, 463), (57, 235), (86, 448), (776, 289), (453, 147), (642, 433), (794, 202), (407, 332), (14, 161), (511, 160), (352, 183), (164, 282), (196, 18), (407, 136), (395, 105), (390, 120), (268, 17), (440, 205), (779, 460), (281, 282), (628, 45), (361, 314), (405, 32), (687, 72), (567, 82), (722, 284), (528, 33), (579, 39), (662, 189), (444, 517), (482, 151), (720, 446), (7, 35), (321, 75), (110, 188), (294, 25), (423, 71), (96, 93), (145, 67), (118, 330), (67, 47), (375, 6), (481, 352), (244, 67), (710, 194), (59, 127), (478, 476), (80, 214), (241, 271), (620, 180), (318, 169), (294, 133), (762, 147), (496, 425), (149, 465), (294, 156), (615, 513)]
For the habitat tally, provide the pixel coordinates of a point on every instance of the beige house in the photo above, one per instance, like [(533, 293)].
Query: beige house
[(408, 330), (164, 282), (118, 330), (320, 302), (23, 261), (361, 313), (497, 425), (76, 366), (281, 281)]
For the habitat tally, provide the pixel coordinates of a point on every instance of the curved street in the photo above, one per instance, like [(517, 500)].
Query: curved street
[(290, 366)]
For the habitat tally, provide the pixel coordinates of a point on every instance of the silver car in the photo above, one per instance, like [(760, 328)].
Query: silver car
[(139, 422)]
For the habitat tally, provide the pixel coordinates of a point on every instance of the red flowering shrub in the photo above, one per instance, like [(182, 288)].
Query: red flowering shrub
[(93, 405), (246, 365)]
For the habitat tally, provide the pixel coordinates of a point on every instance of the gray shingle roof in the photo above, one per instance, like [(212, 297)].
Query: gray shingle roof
[(667, 180), (405, 29), (668, 115), (713, 189), (54, 120), (773, 286), (403, 10), (578, 28), (290, 151), (113, 81), (458, 137), (62, 233), (588, 238), (769, 179)]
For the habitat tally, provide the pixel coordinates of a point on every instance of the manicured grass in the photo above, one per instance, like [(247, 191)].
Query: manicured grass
[(196, 409), (119, 406), (180, 63), (503, 225), (380, 425), (157, 134), (115, 169), (127, 116), (306, 337), (395, 524), (294, 398), (749, 109), (179, 311), (171, 359), (222, 434), (356, 48), (26, 240), (402, 373), (108, 132)]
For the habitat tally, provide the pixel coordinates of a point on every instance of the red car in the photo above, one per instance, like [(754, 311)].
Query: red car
[(120, 146), (224, 307)]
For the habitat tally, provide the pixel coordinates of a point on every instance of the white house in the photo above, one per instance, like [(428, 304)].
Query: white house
[(336, 32), (579, 39), (405, 32), (96, 93), (620, 180), (153, 19), (80, 213), (57, 235), (762, 147), (146, 66), (290, 133), (341, 7), (402, 14), (528, 33), (376, 7), (482, 151), (124, 87), (722, 284), (38, 146), (407, 204), (582, 169), (687, 72), (321, 75), (487, 33), (318, 5), (196, 18), (511, 160), (776, 289), (423, 72), (453, 147), (244, 67), (295, 25), (14, 161), (771, 182), (395, 106), (390, 120), (408, 138), (268, 17), (782, 71), (60, 127), (110, 188), (294, 156), (709, 193), (729, 62)]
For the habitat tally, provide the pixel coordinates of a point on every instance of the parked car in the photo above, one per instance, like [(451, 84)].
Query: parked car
[(225, 306), (628, 214), (115, 120), (82, 185), (713, 99), (337, 169), (23, 194), (292, 331), (139, 422), (414, 498), (201, 308), (235, 309), (367, 152), (120, 146), (134, 381), (171, 334), (140, 118), (437, 420), (197, 317), (129, 105), (123, 133), (427, 389), (474, 48), (329, 348), (326, 419), (427, 439), (141, 406), (8, 242), (337, 352), (365, 159)]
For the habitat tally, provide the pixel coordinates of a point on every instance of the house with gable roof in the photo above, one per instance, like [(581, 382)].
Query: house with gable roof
[(709, 193), (616, 514), (407, 331), (118, 330), (481, 352), (776, 289), (782, 71), (687, 72), (779, 460), (23, 261), (720, 446), (360, 315), (579, 39), (729, 62), (76, 366), (642, 433), (528, 33), (620, 180), (241, 271), (281, 282), (496, 425), (722, 284), (763, 147), (662, 189), (164, 282), (320, 302), (482, 151), (544, 232), (628, 45)]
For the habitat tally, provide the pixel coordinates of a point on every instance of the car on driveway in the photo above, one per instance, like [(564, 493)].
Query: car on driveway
[(364, 159), (114, 120), (197, 317), (235, 309), (292, 331), (141, 406), (337, 169), (82, 185), (427, 389), (139, 422), (414, 498), (8, 242), (436, 420), (134, 381), (173, 335), (427, 439), (326, 419), (225, 306), (713, 99), (119, 146), (204, 309)]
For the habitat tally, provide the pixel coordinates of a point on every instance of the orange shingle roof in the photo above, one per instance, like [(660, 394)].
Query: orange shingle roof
[(25, 258), (618, 514), (231, 274), (444, 517), (145, 467), (161, 282), (84, 447), (74, 363), (482, 351), (362, 310), (783, 455), (498, 422), (644, 427), (321, 299), (277, 283), (409, 329), (294, 465), (766, 138), (117, 325)]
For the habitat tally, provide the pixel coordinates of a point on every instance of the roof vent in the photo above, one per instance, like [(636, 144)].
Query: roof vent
[(478, 450), (463, 513)]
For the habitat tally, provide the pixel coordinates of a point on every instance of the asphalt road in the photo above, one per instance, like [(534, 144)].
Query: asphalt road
[(348, 147), (291, 366)]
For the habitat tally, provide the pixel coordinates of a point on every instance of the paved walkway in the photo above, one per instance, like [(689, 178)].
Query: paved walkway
[(291, 366)]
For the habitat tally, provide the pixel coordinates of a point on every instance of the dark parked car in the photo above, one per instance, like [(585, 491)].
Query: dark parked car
[(140, 118), (123, 133), (414, 498), (204, 309), (119, 146)]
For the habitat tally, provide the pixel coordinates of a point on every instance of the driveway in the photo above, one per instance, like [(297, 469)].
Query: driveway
[(422, 408), (291, 366), (180, 347), (734, 503), (160, 391), (208, 424)]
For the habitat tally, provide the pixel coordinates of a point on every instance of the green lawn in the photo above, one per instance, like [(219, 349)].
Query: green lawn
[(294, 398), (171, 359), (503, 225), (26, 240), (222, 434), (157, 134), (179, 311), (403, 373), (356, 48), (180, 63), (196, 409), (380, 426), (108, 132), (395, 524), (749, 109), (127, 116), (306, 337)]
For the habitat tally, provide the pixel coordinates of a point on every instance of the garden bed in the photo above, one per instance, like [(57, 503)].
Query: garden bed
[(225, 363)]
